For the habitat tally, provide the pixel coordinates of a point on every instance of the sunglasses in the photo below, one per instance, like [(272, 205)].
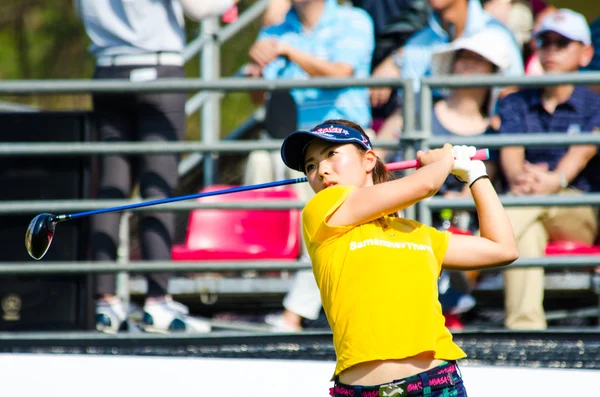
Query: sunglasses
[(559, 42)]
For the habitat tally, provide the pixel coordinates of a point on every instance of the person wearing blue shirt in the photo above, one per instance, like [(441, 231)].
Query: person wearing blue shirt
[(319, 39), (564, 44)]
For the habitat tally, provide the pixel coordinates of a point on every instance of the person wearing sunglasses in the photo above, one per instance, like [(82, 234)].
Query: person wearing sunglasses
[(564, 45)]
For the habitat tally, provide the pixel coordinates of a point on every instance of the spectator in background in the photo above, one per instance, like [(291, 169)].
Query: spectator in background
[(450, 19), (140, 41), (317, 38), (564, 46), (466, 112), (394, 22)]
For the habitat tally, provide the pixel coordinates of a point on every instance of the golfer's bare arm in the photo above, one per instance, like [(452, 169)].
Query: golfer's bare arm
[(369, 203), (496, 244)]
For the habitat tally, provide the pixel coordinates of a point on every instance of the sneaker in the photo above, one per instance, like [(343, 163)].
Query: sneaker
[(111, 316), (166, 315), (278, 324)]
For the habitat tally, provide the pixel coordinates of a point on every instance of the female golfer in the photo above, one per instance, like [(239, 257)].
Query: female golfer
[(377, 272)]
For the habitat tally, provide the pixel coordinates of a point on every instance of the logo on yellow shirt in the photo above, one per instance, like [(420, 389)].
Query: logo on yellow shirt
[(354, 245)]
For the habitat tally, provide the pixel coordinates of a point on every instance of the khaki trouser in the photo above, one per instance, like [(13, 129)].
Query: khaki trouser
[(533, 228)]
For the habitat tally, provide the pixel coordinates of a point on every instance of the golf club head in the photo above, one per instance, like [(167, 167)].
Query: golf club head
[(39, 235)]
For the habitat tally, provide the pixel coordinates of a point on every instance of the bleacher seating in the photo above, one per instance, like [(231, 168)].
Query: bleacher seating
[(571, 248), (236, 234)]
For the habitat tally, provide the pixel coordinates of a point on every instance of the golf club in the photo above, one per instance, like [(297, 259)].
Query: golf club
[(41, 228)]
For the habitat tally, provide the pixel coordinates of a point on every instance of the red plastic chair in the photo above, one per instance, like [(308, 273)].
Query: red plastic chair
[(217, 234), (455, 230), (571, 248)]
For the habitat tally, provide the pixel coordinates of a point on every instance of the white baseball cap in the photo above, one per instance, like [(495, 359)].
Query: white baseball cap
[(489, 43), (567, 23)]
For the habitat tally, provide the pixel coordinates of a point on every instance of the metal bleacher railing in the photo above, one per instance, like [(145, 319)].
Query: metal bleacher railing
[(410, 137), (208, 90)]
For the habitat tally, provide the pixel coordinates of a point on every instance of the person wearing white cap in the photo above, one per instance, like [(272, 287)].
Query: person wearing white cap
[(485, 52), (567, 23), (564, 47), (449, 21), (466, 112)]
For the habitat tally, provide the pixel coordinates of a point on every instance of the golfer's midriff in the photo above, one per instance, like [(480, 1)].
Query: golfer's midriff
[(383, 371)]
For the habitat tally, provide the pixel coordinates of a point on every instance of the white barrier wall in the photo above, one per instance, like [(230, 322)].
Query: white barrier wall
[(30, 375)]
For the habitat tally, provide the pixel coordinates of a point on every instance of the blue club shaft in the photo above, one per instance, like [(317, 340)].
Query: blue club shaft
[(237, 189)]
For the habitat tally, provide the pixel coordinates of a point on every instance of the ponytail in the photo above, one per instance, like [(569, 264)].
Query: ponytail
[(381, 173)]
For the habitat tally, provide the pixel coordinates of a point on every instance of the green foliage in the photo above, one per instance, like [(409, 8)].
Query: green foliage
[(43, 39)]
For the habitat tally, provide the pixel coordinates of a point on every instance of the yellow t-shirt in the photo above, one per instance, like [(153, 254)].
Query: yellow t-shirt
[(378, 284)]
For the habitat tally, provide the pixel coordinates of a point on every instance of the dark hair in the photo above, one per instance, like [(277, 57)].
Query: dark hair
[(380, 172)]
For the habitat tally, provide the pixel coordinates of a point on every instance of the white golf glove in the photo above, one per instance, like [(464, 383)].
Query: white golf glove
[(465, 169)]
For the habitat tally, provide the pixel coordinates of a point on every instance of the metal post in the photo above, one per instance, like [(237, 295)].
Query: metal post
[(409, 127), (426, 110), (409, 110), (211, 113), (123, 258)]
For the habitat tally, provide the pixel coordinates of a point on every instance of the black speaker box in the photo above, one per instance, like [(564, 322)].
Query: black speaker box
[(56, 301)]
